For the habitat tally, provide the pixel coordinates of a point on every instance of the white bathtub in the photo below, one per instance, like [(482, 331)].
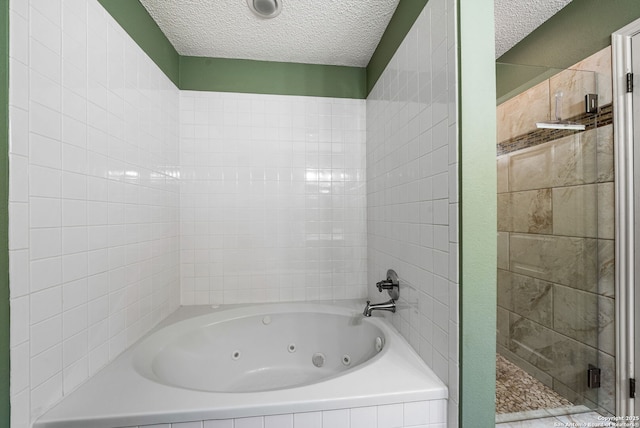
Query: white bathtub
[(241, 362)]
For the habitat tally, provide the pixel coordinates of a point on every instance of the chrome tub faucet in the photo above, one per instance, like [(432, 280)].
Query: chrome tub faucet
[(392, 286), (386, 306)]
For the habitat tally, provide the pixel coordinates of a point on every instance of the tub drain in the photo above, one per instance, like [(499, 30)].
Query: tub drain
[(292, 347), (318, 359), (235, 355), (346, 359)]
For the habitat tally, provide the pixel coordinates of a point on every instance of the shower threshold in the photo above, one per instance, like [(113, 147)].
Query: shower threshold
[(540, 413)]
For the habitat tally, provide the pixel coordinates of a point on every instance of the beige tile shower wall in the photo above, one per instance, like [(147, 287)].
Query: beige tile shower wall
[(272, 198), (555, 249), (412, 189), (93, 197), (519, 115)]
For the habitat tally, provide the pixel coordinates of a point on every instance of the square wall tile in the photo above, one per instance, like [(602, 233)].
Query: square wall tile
[(227, 423), (416, 413), (255, 422), (390, 416), (278, 421), (307, 420), (335, 419)]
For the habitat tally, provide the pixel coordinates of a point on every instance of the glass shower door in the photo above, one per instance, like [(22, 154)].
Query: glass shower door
[(555, 242)]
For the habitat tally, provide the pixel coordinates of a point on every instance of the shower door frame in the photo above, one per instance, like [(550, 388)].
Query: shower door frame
[(627, 179)]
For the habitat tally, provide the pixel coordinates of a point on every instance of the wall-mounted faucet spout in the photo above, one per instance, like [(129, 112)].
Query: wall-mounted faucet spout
[(386, 306)]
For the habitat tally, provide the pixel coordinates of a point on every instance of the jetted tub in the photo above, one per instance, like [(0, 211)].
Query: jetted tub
[(203, 364)]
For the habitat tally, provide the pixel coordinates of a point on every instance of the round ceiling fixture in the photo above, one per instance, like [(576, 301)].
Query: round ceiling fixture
[(265, 8)]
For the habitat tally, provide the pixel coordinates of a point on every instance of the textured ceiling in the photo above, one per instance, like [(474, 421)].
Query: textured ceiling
[(515, 19), (335, 32)]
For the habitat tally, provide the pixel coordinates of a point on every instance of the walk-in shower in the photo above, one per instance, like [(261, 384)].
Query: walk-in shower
[(555, 330)]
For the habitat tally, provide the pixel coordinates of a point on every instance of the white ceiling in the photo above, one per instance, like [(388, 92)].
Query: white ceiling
[(335, 32), (516, 19)]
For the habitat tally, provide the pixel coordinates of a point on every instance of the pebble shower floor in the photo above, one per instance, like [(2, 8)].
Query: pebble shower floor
[(518, 391)]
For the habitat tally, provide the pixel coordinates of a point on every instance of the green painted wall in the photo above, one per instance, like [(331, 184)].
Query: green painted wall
[(269, 77), (477, 139), (137, 22), (514, 79), (403, 18), (262, 77), (234, 75), (579, 30), (5, 408)]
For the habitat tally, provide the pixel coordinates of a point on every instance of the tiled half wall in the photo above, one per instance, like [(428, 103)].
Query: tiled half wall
[(417, 414), (556, 248)]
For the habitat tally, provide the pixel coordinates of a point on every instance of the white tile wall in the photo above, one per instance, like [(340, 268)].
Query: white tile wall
[(272, 198), (93, 201), (412, 200), (421, 414), (272, 202)]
